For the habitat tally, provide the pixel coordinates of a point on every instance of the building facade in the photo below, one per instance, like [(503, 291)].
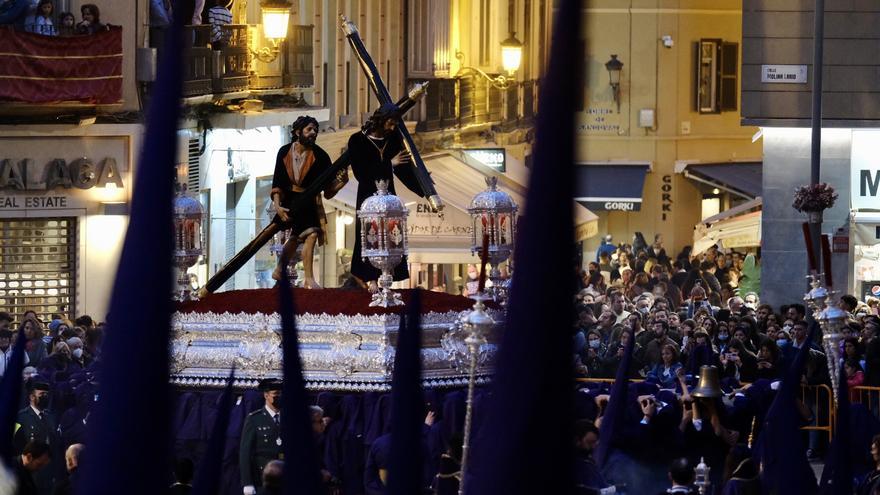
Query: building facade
[(776, 93), (662, 149)]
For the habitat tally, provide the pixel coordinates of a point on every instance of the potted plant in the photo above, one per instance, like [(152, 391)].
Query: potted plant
[(814, 199)]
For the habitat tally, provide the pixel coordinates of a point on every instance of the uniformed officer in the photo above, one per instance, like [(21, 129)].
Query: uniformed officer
[(261, 437), (36, 423)]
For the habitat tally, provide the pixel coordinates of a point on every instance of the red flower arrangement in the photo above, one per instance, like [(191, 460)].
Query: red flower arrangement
[(814, 198)]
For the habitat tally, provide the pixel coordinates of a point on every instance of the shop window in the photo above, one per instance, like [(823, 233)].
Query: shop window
[(716, 73), (38, 266)]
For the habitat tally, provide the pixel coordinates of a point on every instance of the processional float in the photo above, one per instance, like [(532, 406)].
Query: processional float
[(352, 350)]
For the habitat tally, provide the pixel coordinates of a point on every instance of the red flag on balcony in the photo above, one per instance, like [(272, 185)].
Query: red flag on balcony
[(52, 69)]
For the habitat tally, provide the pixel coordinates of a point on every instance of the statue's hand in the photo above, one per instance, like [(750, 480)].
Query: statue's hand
[(401, 158), (282, 213)]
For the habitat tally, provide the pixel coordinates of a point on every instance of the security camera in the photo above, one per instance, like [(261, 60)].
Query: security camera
[(667, 41)]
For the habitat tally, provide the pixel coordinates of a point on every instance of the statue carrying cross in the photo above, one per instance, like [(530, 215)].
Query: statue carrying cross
[(406, 162)]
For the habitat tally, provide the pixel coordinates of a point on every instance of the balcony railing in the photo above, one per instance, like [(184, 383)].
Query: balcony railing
[(227, 70), (472, 100)]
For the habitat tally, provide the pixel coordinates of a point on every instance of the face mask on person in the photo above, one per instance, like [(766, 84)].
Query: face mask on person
[(722, 336), (77, 353), (643, 310), (594, 344), (43, 402), (782, 343)]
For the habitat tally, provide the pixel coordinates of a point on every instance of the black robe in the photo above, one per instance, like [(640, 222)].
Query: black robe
[(368, 167), (311, 214)]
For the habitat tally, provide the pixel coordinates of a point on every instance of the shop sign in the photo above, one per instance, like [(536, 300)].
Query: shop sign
[(494, 158), (423, 221), (865, 170), (611, 205), (82, 173), (666, 197), (786, 74)]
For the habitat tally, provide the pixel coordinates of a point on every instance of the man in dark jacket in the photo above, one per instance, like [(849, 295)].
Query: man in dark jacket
[(34, 457), (261, 437), (37, 423)]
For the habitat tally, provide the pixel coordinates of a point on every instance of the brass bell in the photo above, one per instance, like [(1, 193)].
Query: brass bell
[(709, 385)]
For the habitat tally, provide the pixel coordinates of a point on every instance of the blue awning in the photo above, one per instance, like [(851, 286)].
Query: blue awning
[(742, 177), (610, 186)]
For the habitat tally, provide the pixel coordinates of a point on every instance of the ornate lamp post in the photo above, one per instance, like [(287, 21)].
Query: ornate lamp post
[(188, 243), (383, 239), (493, 213)]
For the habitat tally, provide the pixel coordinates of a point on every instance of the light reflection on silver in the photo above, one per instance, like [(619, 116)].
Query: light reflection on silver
[(341, 352)]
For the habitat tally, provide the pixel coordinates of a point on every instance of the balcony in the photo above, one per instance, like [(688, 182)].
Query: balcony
[(471, 100), (219, 73), (46, 72)]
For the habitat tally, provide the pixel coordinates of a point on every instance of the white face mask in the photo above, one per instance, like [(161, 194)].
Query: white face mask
[(77, 353)]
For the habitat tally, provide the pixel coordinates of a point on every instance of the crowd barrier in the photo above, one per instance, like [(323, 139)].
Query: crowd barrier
[(819, 399)]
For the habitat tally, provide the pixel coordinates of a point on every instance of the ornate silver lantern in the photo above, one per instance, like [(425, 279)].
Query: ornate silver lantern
[(831, 319), (477, 324), (188, 243), (383, 239), (493, 213), (701, 477)]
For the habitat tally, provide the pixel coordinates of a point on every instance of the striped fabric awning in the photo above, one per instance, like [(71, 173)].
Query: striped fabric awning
[(50, 69)]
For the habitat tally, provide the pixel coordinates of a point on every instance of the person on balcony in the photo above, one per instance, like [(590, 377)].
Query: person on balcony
[(218, 17), (91, 20), (66, 24), (41, 21), (14, 12)]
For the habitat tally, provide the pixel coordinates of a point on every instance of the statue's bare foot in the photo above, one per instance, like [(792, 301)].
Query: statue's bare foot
[(372, 286), (311, 283)]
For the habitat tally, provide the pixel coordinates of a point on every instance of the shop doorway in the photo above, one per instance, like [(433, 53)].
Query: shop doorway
[(38, 266)]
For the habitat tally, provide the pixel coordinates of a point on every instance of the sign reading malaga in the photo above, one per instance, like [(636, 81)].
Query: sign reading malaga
[(865, 171), (82, 173)]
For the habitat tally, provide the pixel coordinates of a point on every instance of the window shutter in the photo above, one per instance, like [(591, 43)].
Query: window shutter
[(193, 169), (728, 81)]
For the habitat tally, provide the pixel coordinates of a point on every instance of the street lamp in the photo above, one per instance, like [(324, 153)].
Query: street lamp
[(511, 54), (614, 67), (276, 18), (511, 58)]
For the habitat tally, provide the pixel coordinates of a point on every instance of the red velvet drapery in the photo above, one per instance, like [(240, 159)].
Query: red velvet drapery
[(50, 69)]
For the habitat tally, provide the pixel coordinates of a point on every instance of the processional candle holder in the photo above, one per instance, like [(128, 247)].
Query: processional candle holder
[(477, 324), (701, 477), (493, 213), (383, 239), (188, 242), (831, 319)]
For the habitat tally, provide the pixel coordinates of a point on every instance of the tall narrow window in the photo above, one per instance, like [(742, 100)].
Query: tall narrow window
[(716, 75)]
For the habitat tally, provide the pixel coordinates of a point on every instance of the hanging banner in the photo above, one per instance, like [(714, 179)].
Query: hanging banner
[(50, 69)]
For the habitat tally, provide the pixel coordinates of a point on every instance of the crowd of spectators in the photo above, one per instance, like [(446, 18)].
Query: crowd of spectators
[(39, 16), (59, 389), (685, 315)]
